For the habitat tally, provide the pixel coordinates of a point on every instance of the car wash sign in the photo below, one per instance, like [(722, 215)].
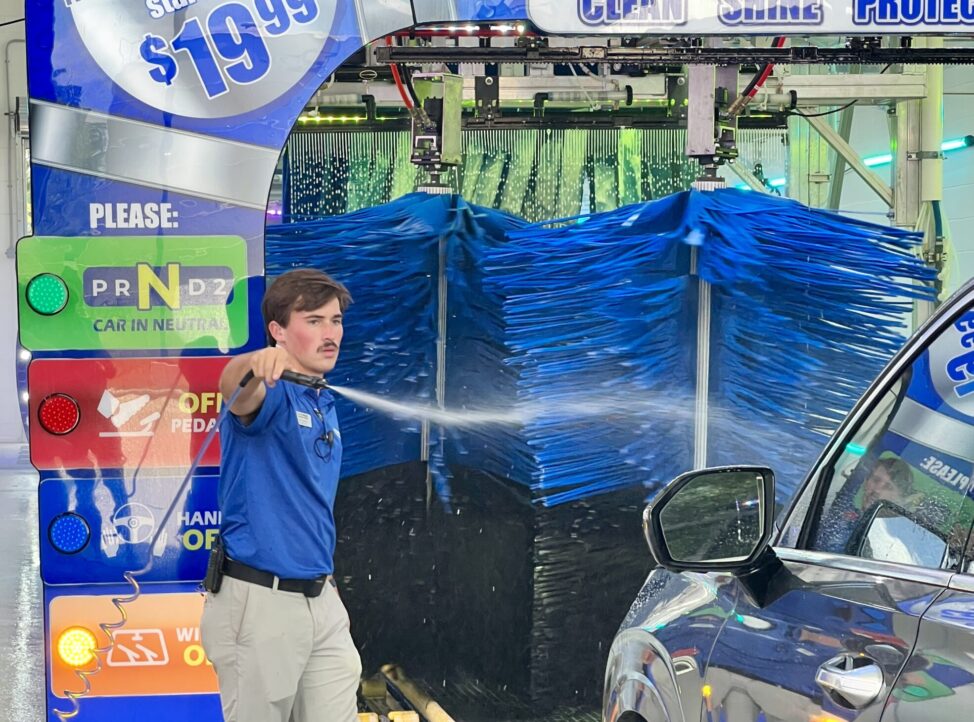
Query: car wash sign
[(116, 292), (714, 17)]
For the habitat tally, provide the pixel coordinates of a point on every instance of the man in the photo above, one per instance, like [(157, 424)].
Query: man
[(276, 630), (890, 480)]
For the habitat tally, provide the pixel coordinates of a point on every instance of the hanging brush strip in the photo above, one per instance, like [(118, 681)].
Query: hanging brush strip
[(386, 256), (808, 308), (593, 314)]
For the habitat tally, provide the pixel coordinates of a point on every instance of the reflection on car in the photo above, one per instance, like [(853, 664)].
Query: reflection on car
[(859, 605)]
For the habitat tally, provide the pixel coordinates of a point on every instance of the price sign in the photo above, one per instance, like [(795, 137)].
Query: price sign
[(202, 58)]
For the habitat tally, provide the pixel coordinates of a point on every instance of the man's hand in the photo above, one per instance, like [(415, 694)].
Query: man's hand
[(269, 363)]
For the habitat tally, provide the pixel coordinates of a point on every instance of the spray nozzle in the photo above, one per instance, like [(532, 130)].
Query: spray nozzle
[(315, 382)]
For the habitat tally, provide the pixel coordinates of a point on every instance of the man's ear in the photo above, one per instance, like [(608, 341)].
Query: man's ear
[(277, 332)]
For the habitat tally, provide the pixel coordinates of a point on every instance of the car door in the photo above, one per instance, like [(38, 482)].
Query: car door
[(937, 681), (871, 546)]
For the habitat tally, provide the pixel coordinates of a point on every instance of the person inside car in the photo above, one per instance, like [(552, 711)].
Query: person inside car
[(890, 479)]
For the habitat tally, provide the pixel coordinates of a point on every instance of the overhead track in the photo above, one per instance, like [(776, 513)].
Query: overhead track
[(865, 54)]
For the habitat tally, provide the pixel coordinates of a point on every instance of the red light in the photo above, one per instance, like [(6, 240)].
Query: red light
[(59, 414)]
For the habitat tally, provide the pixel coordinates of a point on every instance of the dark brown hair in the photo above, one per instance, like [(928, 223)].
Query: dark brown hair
[(303, 289)]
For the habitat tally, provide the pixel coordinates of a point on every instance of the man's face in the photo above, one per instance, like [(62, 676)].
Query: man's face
[(880, 486), (312, 337)]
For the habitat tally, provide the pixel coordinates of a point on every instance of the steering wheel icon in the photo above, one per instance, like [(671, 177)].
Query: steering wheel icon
[(134, 523)]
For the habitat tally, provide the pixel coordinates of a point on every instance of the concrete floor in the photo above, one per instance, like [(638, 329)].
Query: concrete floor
[(22, 678), (21, 623)]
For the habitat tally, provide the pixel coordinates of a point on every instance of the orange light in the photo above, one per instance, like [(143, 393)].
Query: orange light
[(76, 646), (157, 652)]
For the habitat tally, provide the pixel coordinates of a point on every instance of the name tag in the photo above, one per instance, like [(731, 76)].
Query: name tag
[(304, 419)]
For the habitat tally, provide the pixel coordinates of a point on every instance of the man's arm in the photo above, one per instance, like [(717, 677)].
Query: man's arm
[(267, 364)]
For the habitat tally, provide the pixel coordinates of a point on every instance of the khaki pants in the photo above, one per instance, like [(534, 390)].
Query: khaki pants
[(281, 656)]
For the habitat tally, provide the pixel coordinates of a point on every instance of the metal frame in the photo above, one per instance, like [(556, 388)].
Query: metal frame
[(675, 55), (842, 147)]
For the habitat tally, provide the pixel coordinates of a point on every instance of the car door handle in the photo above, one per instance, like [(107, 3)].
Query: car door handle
[(851, 681)]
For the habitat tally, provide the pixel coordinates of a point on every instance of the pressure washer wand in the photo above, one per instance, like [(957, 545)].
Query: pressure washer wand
[(303, 379), (315, 382)]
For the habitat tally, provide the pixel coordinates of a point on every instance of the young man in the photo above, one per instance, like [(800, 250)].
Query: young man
[(890, 480), (276, 630)]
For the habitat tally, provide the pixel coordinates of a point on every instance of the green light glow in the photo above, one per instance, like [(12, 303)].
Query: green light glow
[(873, 161), (47, 294), (333, 118), (855, 449)]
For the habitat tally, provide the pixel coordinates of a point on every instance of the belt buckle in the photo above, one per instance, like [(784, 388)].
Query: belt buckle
[(315, 586)]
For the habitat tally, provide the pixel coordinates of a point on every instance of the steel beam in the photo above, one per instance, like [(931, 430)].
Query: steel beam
[(801, 55), (905, 129), (810, 90), (842, 147), (833, 89), (742, 172), (839, 164)]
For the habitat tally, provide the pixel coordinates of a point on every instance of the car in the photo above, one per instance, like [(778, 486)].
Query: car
[(856, 602)]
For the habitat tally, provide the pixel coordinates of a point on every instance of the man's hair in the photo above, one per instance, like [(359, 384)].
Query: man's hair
[(303, 289), (899, 472)]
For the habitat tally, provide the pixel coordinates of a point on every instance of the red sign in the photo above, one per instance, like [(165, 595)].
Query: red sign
[(129, 413)]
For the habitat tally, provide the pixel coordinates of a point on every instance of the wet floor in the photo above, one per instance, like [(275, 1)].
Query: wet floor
[(22, 680), (21, 626)]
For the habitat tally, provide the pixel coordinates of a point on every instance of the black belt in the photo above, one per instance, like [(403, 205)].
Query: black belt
[(243, 572)]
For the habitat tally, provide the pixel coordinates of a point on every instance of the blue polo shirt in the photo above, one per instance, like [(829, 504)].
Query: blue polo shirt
[(278, 479)]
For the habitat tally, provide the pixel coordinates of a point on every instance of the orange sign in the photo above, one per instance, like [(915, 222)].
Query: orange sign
[(158, 651)]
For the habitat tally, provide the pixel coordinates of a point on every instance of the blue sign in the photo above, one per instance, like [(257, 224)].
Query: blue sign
[(94, 529)]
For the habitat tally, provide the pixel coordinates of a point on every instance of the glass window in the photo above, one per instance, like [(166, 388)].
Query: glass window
[(900, 489)]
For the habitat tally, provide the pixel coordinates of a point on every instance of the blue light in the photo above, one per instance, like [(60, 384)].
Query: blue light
[(69, 533)]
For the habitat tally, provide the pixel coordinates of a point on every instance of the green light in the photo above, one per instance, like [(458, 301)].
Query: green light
[(855, 449), (47, 294), (916, 691), (947, 145), (874, 160), (332, 118)]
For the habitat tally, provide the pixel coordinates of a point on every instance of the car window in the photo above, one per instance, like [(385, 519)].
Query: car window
[(904, 473)]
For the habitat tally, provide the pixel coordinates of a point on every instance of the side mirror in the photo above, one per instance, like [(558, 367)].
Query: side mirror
[(712, 519), (892, 534)]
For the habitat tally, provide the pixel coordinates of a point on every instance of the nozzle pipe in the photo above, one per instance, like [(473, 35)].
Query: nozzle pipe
[(315, 382)]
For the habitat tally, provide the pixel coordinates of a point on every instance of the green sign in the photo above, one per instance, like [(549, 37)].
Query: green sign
[(132, 292)]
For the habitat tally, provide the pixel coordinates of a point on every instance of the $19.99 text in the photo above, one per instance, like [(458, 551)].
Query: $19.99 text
[(230, 34)]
